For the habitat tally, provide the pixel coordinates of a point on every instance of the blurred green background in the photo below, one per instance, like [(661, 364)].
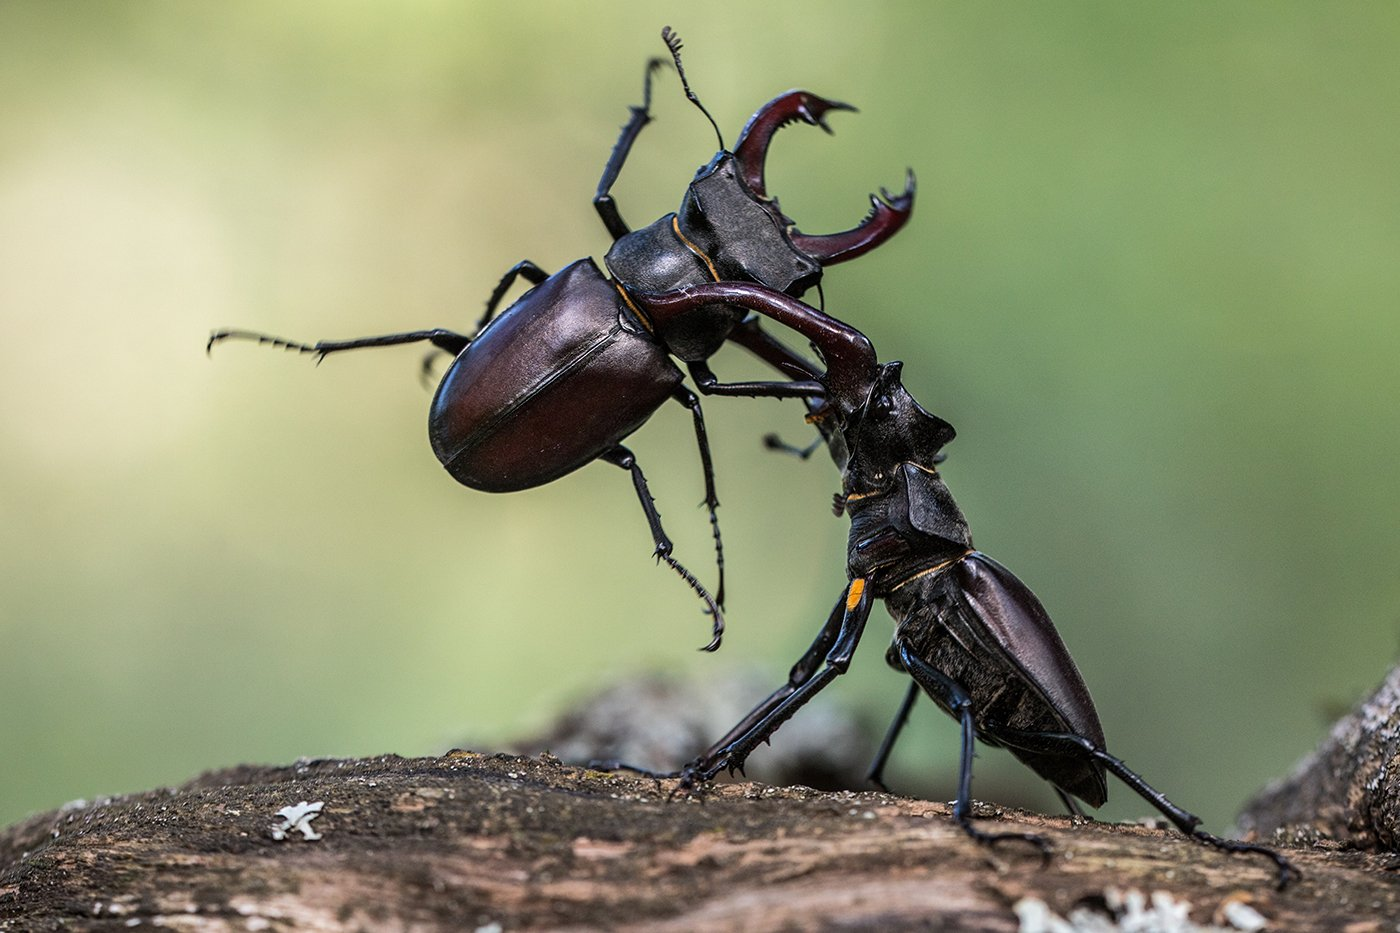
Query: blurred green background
[(1151, 278)]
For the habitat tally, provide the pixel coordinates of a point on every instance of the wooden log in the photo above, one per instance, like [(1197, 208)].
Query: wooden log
[(496, 842)]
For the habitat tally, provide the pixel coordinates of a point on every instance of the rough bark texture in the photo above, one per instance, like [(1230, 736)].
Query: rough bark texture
[(1348, 790), (469, 841)]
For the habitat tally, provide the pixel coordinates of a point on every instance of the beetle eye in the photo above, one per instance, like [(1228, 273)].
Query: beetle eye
[(883, 406)]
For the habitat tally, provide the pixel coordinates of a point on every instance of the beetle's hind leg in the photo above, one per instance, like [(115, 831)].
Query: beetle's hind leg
[(445, 340), (524, 269), (951, 694), (621, 456), (1188, 823)]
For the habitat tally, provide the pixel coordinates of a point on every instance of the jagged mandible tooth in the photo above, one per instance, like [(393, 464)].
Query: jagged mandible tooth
[(886, 216), (752, 149)]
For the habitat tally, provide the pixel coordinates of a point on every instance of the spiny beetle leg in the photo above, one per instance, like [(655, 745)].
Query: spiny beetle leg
[(524, 269), (834, 645), (445, 340), (1187, 822), (876, 773), (621, 456), (689, 400), (639, 117)]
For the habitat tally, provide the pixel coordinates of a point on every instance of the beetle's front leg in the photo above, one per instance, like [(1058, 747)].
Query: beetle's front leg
[(640, 116), (839, 643), (709, 384)]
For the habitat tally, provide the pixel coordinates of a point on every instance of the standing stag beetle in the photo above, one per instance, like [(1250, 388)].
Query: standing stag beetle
[(967, 631), (574, 366)]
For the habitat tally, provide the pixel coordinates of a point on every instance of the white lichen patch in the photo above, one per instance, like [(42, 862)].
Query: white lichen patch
[(1132, 912), (298, 817)]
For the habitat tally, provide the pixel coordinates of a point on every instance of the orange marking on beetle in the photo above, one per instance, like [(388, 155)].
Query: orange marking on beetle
[(854, 594), (676, 228), (635, 310)]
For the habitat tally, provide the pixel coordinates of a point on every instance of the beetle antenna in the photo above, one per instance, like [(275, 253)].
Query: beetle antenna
[(673, 42)]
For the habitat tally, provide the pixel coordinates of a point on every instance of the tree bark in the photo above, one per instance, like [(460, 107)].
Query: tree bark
[(1348, 790), (496, 842)]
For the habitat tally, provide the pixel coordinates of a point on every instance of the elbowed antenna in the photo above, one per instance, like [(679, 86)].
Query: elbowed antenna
[(673, 42)]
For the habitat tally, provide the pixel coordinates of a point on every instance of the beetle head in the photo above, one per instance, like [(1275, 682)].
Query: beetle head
[(728, 215), (893, 428)]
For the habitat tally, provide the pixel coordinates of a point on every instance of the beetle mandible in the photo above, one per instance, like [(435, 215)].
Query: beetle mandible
[(569, 370), (969, 634)]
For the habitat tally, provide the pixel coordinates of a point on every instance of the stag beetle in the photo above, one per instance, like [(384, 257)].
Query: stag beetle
[(967, 632), (569, 370)]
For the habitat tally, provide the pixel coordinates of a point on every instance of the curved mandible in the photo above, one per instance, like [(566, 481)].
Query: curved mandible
[(752, 149), (887, 214)]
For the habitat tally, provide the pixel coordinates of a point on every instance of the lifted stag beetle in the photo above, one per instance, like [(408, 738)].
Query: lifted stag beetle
[(968, 632), (573, 367)]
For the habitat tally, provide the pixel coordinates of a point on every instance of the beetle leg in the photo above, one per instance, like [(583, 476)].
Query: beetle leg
[(689, 400), (839, 642), (1072, 806), (750, 335), (445, 340), (1188, 823), (624, 458), (709, 384), (951, 695), (524, 269), (801, 672), (876, 774), (640, 116)]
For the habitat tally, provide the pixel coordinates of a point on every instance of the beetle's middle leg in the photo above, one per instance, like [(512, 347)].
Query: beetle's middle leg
[(875, 774), (956, 699), (621, 456), (689, 400), (524, 269)]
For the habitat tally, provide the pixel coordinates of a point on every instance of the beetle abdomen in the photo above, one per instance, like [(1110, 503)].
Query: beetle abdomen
[(547, 386), (980, 625)]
